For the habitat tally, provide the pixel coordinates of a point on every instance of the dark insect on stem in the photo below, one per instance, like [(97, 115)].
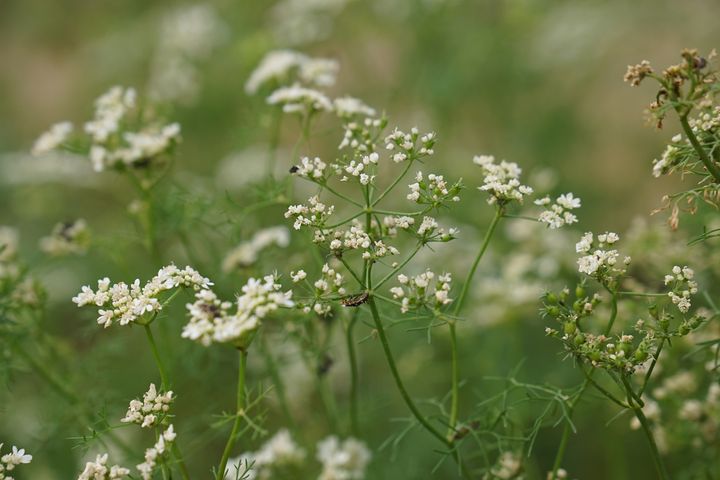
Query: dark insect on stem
[(324, 365), (355, 300), (294, 169)]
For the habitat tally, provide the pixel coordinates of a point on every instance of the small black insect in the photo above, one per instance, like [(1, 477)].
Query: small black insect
[(354, 300), (294, 169)]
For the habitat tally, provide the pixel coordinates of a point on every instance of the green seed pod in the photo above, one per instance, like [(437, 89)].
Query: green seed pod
[(579, 339), (551, 298), (594, 355), (569, 328), (553, 311), (578, 306), (579, 291), (641, 355)]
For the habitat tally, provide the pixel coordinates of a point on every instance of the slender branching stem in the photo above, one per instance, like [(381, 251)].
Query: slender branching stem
[(239, 414), (165, 384)]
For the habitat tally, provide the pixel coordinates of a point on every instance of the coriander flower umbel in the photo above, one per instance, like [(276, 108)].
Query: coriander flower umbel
[(312, 169), (125, 304), (410, 146), (274, 67), (343, 460), (433, 190), (423, 290), (53, 138), (211, 319), (501, 180), (683, 286), (99, 470), (601, 263), (150, 411), (297, 99), (326, 289), (9, 461), (314, 214), (361, 136), (558, 214), (110, 108)]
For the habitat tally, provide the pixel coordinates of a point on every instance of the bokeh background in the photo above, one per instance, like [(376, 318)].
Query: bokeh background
[(536, 82)]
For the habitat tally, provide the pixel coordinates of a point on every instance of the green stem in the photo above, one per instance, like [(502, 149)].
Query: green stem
[(239, 414), (455, 381), (704, 157), (657, 459), (165, 384), (398, 380), (392, 185), (354, 374), (483, 247)]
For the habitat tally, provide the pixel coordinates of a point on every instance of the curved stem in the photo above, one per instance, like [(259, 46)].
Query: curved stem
[(392, 185), (657, 459), (704, 157), (239, 413)]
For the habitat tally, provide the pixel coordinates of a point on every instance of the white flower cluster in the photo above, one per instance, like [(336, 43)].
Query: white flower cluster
[(707, 121), (151, 454), (558, 214), (246, 253), (360, 168), (314, 214), (186, 35), (508, 466), (52, 139), (9, 461), (683, 287), (600, 263), (392, 223), (349, 107), (125, 304), (346, 460), (669, 157), (211, 321), (406, 146), (299, 99), (360, 136), (432, 191), (99, 470), (430, 231), (501, 180), (67, 238), (109, 148), (280, 451), (426, 289), (149, 412), (277, 67), (328, 287), (313, 169)]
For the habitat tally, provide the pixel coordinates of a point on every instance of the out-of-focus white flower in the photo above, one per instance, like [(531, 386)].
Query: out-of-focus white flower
[(349, 107), (99, 470), (298, 99), (53, 138), (246, 253), (346, 460), (67, 238)]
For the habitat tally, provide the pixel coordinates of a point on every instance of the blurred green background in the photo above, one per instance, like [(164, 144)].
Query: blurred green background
[(535, 82)]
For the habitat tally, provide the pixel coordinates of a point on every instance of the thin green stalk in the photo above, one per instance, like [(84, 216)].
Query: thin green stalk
[(328, 399), (392, 185), (239, 414), (165, 384), (354, 373), (656, 355), (657, 458), (704, 157), (483, 247), (455, 379)]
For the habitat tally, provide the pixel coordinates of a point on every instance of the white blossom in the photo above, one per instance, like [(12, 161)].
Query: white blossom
[(342, 460), (53, 138), (501, 180)]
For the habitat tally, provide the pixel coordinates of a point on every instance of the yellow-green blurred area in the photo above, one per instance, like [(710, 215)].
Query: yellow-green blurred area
[(534, 82)]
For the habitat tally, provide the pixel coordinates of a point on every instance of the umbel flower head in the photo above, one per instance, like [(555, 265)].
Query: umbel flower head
[(99, 470), (345, 459), (126, 304), (501, 180), (150, 411), (600, 262), (279, 452), (212, 322)]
